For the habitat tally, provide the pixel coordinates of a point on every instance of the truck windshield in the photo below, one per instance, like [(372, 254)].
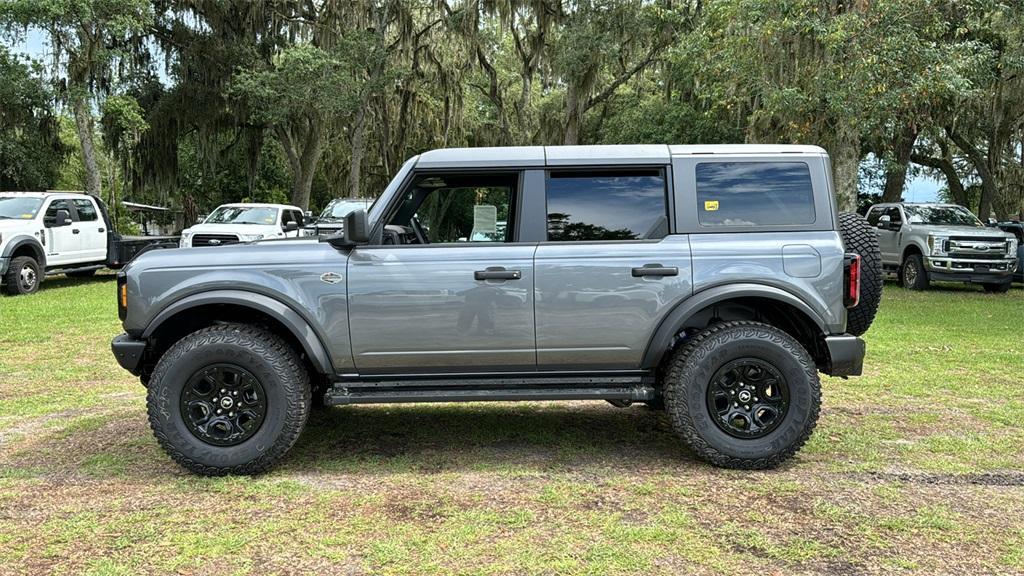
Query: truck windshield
[(341, 207), (19, 207), (942, 216), (243, 215)]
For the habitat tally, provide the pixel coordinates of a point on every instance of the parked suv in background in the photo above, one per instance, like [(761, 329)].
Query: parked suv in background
[(332, 218), (234, 223), (713, 282), (945, 242)]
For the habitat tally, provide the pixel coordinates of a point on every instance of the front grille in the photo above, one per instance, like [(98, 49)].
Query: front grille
[(977, 248), (214, 239)]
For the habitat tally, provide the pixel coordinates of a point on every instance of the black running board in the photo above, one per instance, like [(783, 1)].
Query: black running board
[(628, 388)]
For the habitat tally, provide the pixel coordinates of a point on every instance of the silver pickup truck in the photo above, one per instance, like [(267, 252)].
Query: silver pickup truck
[(942, 242), (713, 282)]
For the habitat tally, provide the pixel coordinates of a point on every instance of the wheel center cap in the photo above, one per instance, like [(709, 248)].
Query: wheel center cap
[(744, 396), (226, 402)]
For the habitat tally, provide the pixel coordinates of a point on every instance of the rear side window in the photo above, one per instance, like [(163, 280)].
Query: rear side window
[(86, 211), (606, 205), (754, 194)]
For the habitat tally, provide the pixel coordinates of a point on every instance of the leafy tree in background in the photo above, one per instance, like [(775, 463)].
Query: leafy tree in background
[(30, 148)]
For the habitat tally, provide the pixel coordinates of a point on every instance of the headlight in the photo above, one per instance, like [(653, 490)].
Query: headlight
[(1011, 247), (938, 244)]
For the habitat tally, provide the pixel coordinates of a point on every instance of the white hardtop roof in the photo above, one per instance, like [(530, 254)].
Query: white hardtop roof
[(513, 156), (260, 205)]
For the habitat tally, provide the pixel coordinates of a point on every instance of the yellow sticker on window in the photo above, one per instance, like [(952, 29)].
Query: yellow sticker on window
[(711, 205)]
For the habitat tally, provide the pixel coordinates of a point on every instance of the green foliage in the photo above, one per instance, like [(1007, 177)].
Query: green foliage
[(30, 146)]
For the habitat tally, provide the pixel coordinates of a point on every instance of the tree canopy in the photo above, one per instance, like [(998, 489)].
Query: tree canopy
[(204, 101)]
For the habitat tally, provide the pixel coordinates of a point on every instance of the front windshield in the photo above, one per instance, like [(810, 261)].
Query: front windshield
[(942, 216), (243, 215), (19, 207), (339, 208)]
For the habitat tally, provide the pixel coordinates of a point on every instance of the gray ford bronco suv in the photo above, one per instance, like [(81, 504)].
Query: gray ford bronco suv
[(713, 282)]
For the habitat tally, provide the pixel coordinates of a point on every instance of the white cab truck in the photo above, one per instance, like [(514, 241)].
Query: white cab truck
[(45, 233), (248, 222)]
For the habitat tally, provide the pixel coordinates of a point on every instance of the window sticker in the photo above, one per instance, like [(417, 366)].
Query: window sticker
[(485, 219), (711, 205)]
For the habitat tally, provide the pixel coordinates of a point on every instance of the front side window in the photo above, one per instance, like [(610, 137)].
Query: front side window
[(754, 194), (86, 210), (50, 218), (942, 216), (613, 205), (243, 215), (19, 207), (453, 208)]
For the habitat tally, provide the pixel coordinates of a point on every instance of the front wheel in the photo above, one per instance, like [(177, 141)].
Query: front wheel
[(23, 276), (996, 287), (228, 399), (743, 395), (913, 274)]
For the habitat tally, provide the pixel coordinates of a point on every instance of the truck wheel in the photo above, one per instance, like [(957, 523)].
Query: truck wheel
[(996, 287), (228, 399), (81, 273), (23, 276), (912, 273), (743, 395), (859, 238)]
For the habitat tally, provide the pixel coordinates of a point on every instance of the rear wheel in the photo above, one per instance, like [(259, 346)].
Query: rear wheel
[(912, 273), (996, 287), (743, 395), (23, 276), (228, 399), (859, 238)]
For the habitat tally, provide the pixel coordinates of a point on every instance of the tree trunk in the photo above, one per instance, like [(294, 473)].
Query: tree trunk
[(845, 155), (83, 125), (956, 186), (989, 190), (572, 116), (358, 150), (896, 172), (303, 161)]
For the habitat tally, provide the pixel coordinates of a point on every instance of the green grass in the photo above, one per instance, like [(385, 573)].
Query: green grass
[(888, 482)]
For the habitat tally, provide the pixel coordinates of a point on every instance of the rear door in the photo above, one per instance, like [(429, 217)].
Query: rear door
[(449, 288), (609, 270), (92, 230)]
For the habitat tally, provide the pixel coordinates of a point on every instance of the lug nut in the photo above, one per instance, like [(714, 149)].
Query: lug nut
[(219, 411), (745, 407), (735, 405), (222, 390)]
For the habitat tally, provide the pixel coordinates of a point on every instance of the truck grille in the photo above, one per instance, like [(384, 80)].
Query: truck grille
[(214, 239), (978, 248)]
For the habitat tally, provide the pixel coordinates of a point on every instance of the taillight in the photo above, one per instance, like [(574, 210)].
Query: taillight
[(122, 295), (851, 280)]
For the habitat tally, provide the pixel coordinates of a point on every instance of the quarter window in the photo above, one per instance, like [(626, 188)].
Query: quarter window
[(613, 205), (754, 194), (86, 210)]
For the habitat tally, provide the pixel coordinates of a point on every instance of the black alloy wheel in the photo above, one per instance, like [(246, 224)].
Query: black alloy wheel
[(223, 405), (748, 398)]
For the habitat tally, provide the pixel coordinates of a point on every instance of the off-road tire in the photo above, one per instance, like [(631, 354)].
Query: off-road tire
[(269, 359), (695, 363), (996, 287), (81, 273), (859, 238), (13, 279), (916, 278)]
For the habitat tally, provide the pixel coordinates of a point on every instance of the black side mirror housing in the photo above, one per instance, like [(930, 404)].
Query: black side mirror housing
[(356, 231), (63, 218)]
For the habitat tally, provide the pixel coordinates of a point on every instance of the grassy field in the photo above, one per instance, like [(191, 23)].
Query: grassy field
[(918, 467)]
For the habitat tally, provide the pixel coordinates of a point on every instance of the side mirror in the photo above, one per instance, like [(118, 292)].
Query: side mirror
[(200, 219), (357, 227), (63, 218), (992, 222), (884, 222), (308, 214), (291, 226)]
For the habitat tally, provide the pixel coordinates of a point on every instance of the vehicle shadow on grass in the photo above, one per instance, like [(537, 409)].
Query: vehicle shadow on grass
[(535, 437), (62, 281)]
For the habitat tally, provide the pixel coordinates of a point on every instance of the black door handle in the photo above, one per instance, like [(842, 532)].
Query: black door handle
[(102, 230), (655, 270), (497, 273), (74, 230)]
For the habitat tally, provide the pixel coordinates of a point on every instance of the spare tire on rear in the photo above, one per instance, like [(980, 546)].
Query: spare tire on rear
[(859, 238)]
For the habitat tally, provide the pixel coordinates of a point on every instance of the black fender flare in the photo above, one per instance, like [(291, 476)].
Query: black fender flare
[(22, 240), (299, 327), (674, 321)]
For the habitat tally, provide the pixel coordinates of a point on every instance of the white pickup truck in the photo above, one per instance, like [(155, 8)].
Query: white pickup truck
[(244, 222), (44, 233)]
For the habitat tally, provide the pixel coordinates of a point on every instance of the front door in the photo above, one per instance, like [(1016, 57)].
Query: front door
[(609, 270), (448, 289), (889, 238), (63, 243)]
